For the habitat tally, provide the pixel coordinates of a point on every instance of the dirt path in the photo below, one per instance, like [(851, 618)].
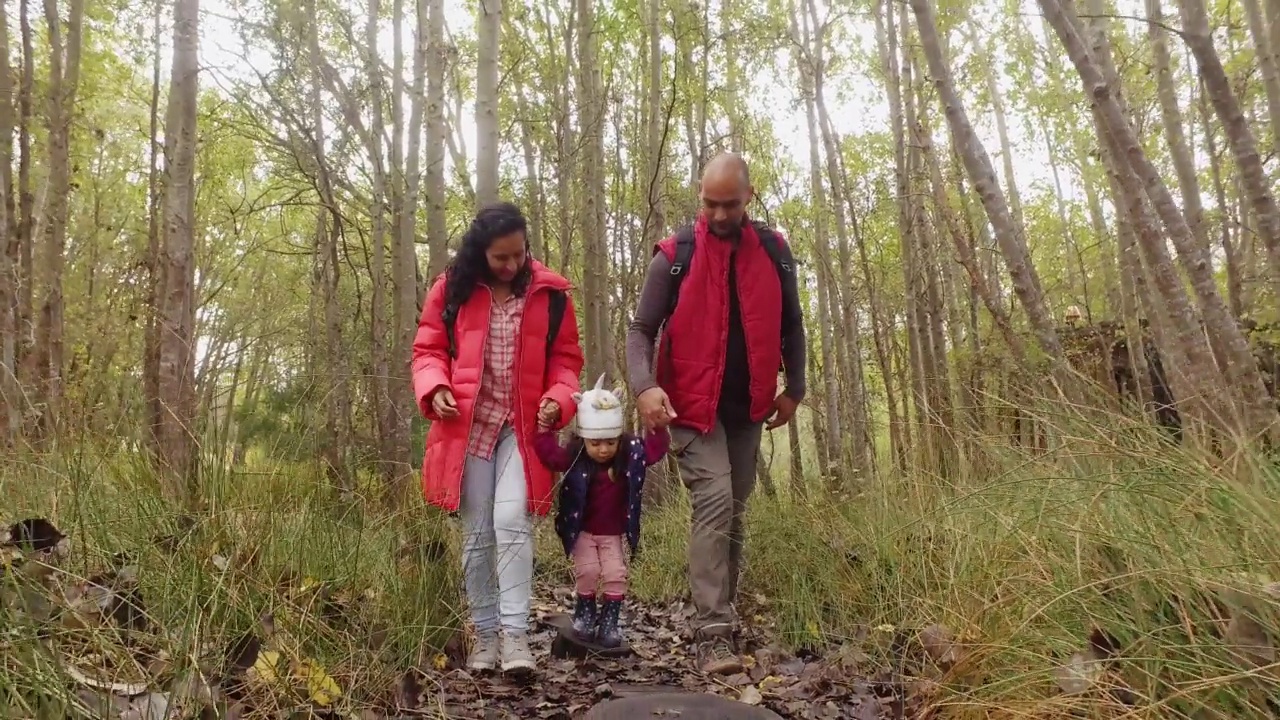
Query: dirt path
[(793, 687)]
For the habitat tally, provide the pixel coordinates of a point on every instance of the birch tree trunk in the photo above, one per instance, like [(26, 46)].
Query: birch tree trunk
[(592, 106), (10, 391), (178, 459), (487, 32), (831, 392), (379, 389), (1235, 281), (64, 80), (436, 191)]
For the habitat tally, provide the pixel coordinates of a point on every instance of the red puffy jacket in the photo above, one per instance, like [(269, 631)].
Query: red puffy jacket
[(538, 375)]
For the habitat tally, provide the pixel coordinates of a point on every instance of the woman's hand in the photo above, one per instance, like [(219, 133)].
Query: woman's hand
[(443, 404), (548, 413)]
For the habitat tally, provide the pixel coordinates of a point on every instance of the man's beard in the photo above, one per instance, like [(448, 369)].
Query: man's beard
[(730, 231)]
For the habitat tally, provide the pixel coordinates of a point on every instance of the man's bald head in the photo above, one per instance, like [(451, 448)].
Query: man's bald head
[(726, 190), (727, 163)]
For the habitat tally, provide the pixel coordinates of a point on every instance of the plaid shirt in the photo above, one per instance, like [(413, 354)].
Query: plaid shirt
[(495, 402)]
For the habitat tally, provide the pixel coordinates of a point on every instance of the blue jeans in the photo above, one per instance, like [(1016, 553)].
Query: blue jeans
[(497, 542)]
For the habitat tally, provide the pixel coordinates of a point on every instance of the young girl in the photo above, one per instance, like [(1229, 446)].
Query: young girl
[(490, 367), (604, 472)]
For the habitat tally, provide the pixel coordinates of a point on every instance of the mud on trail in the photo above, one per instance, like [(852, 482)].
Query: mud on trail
[(86, 644)]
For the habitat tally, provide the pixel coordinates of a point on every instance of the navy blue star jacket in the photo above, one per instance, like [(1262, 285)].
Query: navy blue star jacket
[(598, 496)]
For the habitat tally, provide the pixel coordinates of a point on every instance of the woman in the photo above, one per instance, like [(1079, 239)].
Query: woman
[(485, 387)]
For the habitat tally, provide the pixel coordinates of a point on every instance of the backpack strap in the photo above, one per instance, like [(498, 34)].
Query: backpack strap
[(785, 263), (555, 310), (778, 251), (679, 266)]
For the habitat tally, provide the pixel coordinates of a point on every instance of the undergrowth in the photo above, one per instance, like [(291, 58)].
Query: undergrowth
[(1166, 559)]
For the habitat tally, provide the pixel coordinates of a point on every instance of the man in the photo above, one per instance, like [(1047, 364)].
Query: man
[(737, 318)]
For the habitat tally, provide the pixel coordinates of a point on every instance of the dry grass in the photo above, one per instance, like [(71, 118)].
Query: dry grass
[(1165, 559)]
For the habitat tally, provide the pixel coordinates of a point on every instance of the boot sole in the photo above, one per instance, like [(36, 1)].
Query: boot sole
[(519, 666), (727, 668)]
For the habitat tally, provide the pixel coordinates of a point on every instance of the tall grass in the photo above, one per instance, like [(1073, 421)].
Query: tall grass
[(1021, 556)]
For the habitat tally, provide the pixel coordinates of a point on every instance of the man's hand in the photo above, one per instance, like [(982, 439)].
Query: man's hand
[(548, 413), (444, 404), (784, 408), (655, 408)]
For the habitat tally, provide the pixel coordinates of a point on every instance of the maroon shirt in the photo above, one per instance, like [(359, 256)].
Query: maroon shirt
[(606, 509)]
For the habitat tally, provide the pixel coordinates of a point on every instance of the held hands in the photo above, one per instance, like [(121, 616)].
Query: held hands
[(784, 408), (655, 408), (548, 413), (443, 404)]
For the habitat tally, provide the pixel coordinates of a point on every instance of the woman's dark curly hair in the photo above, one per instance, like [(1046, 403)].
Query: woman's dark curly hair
[(470, 266)]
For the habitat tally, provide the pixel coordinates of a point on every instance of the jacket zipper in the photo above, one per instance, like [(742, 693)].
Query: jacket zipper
[(730, 289)]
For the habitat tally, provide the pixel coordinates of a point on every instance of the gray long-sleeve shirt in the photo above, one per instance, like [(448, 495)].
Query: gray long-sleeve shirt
[(651, 310)]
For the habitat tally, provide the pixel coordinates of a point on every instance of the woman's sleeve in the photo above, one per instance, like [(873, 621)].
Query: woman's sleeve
[(564, 366), (431, 350)]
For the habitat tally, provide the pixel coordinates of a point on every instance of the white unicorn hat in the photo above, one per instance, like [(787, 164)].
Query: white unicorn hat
[(599, 413)]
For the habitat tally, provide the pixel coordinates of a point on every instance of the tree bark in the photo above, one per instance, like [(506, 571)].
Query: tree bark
[(488, 30), (178, 461)]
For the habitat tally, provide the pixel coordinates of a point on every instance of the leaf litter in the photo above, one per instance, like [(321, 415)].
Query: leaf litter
[(101, 637)]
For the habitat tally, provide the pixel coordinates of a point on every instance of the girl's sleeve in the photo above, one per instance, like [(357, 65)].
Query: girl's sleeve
[(553, 455), (656, 445)]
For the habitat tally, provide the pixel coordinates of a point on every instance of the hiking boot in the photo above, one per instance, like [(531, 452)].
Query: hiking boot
[(484, 656), (516, 654), (609, 635), (585, 616), (715, 656)]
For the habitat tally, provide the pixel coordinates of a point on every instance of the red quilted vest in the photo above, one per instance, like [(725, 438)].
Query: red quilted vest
[(690, 362)]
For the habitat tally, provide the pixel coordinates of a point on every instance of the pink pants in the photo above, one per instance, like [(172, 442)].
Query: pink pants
[(600, 560)]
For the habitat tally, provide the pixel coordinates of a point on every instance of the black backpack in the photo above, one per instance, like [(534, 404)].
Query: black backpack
[(555, 310), (779, 252)]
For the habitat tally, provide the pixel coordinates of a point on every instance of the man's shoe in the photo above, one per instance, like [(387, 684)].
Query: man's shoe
[(585, 616), (516, 654), (484, 656), (609, 635), (715, 656)]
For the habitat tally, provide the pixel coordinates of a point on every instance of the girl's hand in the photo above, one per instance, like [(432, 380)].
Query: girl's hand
[(548, 413)]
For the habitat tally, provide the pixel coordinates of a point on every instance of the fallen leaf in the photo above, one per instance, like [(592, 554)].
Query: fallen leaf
[(126, 689), (940, 644), (1080, 673), (322, 689), (151, 706), (1248, 638), (266, 668)]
